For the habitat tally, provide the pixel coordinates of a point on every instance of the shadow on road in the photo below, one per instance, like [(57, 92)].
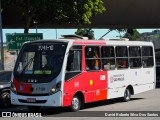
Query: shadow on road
[(107, 102), (65, 111), (58, 111), (8, 108)]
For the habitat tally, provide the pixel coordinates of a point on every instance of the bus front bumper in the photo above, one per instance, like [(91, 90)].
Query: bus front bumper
[(54, 100)]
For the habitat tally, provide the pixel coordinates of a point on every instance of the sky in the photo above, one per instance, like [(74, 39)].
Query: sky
[(51, 33)]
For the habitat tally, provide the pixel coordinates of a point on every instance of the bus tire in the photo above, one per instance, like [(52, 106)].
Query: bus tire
[(5, 99), (33, 108), (75, 103), (127, 95)]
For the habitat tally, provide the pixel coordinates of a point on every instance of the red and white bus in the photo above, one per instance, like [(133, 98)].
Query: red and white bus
[(67, 72)]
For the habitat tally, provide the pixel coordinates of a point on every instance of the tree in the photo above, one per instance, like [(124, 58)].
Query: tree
[(132, 35), (86, 33), (57, 11)]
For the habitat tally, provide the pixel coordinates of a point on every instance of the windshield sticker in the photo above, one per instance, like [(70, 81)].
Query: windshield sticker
[(28, 72), (42, 72)]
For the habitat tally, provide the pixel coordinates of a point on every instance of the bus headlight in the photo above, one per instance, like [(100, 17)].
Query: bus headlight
[(55, 88), (1, 86), (13, 88)]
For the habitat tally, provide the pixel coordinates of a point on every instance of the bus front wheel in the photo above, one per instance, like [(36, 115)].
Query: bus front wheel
[(75, 104), (127, 95)]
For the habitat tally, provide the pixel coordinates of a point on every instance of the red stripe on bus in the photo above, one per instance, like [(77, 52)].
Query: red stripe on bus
[(87, 42)]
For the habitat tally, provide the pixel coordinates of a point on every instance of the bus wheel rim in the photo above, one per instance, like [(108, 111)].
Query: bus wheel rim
[(127, 94), (75, 103)]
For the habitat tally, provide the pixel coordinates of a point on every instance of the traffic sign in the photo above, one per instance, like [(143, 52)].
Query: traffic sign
[(16, 40)]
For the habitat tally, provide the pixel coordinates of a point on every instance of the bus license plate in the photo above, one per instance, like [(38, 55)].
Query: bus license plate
[(31, 100)]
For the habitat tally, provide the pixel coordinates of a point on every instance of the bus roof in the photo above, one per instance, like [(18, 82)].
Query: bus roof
[(97, 42), (111, 42)]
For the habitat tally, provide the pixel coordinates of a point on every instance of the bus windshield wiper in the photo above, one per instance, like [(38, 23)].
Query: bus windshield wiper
[(28, 64)]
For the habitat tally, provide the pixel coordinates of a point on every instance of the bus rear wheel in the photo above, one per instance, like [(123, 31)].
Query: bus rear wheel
[(75, 104), (33, 108), (127, 95)]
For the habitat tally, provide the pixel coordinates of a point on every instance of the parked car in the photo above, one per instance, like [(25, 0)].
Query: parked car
[(5, 82), (158, 75)]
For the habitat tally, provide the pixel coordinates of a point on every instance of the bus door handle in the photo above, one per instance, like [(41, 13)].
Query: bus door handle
[(136, 85), (109, 88)]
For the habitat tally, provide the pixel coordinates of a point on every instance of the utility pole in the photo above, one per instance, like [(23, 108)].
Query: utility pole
[(35, 23), (1, 40), (56, 32), (105, 34)]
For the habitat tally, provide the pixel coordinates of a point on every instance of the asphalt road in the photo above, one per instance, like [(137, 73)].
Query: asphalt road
[(147, 101)]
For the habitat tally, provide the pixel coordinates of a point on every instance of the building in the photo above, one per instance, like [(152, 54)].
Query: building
[(153, 36)]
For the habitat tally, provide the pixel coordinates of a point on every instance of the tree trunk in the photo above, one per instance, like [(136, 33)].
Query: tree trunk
[(27, 24), (27, 16), (26, 30)]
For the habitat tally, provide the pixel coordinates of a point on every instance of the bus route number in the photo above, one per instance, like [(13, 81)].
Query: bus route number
[(45, 47)]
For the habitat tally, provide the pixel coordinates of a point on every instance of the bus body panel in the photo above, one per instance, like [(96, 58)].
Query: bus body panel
[(50, 101), (146, 82), (119, 80), (93, 85)]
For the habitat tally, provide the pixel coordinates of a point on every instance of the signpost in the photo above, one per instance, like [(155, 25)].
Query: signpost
[(1, 43), (16, 40)]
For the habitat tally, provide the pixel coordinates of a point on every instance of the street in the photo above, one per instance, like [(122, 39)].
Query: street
[(147, 101)]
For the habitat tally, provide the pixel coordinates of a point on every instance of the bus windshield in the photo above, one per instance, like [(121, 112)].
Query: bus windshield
[(40, 59)]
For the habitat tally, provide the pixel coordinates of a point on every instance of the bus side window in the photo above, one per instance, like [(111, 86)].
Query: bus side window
[(121, 57), (92, 58), (135, 57), (108, 57), (147, 56), (74, 61)]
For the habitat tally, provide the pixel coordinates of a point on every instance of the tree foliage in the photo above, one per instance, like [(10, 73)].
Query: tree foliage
[(86, 33), (134, 35), (57, 11), (131, 34)]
